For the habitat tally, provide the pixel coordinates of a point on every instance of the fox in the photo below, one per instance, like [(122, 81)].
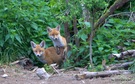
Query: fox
[(59, 41), (46, 56)]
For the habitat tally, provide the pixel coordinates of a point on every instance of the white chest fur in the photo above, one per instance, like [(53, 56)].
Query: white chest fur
[(58, 42)]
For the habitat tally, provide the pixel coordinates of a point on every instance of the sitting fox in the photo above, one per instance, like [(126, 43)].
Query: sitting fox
[(47, 55), (59, 41)]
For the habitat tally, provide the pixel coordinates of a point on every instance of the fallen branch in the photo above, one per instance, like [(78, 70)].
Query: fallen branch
[(85, 75), (133, 40), (123, 54), (15, 62), (53, 66), (118, 66)]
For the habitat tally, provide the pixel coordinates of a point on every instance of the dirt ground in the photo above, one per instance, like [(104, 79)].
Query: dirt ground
[(20, 76)]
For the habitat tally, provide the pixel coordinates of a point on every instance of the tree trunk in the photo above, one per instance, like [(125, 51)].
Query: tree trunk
[(67, 33), (75, 32), (88, 18), (91, 38)]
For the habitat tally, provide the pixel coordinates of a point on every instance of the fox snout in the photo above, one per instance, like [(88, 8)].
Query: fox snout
[(54, 37), (38, 54)]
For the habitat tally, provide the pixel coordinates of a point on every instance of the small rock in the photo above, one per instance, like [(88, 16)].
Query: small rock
[(4, 76), (42, 74)]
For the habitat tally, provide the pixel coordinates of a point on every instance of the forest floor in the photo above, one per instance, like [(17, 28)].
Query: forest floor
[(18, 75)]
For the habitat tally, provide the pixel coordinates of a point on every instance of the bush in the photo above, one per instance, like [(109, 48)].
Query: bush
[(21, 22), (117, 32)]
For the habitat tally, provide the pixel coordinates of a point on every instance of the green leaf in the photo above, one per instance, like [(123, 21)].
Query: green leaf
[(69, 53), (94, 59), (1, 43), (18, 38), (84, 37), (127, 43), (7, 37), (81, 49), (100, 37), (100, 48), (108, 25), (87, 24), (34, 25), (12, 37)]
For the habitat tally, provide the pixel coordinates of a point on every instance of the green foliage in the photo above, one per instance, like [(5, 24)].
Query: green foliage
[(116, 32), (24, 20), (107, 39), (132, 7), (21, 22), (48, 68)]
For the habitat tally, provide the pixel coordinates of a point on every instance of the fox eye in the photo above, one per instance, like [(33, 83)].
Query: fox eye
[(35, 51), (39, 50)]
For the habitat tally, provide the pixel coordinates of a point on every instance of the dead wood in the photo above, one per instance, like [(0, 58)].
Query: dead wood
[(123, 54), (85, 75), (118, 66), (132, 40), (25, 63), (53, 67), (15, 62)]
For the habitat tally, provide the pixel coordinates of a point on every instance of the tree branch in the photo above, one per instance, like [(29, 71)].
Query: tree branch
[(117, 4), (123, 54)]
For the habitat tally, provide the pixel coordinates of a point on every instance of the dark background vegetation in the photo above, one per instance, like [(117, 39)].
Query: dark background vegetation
[(22, 21)]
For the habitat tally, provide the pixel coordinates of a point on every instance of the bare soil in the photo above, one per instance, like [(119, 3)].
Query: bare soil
[(17, 75)]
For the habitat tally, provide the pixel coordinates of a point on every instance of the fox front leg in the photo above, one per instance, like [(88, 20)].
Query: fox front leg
[(57, 50), (62, 53)]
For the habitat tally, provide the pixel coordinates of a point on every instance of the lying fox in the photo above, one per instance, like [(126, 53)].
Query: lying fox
[(47, 55), (59, 41)]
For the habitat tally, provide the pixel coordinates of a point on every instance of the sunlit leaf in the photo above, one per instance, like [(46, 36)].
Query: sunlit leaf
[(100, 48), (18, 38), (87, 24), (34, 25), (84, 37)]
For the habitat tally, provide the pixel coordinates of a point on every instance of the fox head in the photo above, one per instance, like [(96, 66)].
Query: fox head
[(38, 49), (54, 33)]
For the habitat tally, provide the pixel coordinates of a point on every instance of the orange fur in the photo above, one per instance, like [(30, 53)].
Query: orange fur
[(47, 55), (58, 40)]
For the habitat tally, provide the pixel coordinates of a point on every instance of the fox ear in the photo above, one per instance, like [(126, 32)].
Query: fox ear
[(58, 27), (33, 45), (42, 44), (49, 29)]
